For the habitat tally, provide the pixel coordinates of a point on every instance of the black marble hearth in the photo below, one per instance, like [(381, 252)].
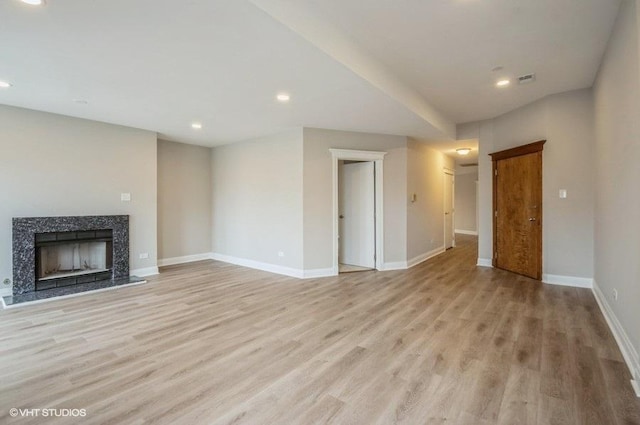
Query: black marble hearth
[(25, 230), (68, 291)]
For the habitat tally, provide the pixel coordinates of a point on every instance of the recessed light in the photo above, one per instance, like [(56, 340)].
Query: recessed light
[(196, 125), (283, 97), (4, 84), (463, 151), (503, 83), (33, 2)]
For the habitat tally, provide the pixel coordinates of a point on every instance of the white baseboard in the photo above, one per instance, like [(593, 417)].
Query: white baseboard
[(425, 256), (485, 262), (403, 265), (313, 273), (636, 386), (466, 232), (578, 282), (626, 347), (258, 265), (396, 265), (273, 268), (184, 259), (6, 291), (147, 271)]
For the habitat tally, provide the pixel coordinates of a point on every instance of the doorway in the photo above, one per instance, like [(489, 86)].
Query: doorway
[(376, 159), (449, 210), (356, 207), (517, 210)]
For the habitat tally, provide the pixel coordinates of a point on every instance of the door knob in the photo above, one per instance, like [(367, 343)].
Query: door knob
[(532, 219)]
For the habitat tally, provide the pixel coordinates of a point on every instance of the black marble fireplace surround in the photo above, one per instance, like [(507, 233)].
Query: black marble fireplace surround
[(24, 244)]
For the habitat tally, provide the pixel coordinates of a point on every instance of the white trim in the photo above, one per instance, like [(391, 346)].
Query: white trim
[(313, 273), (147, 271), (626, 347), (7, 291), (60, 297), (452, 173), (636, 387), (425, 256), (184, 259), (378, 159), (396, 265), (353, 155), (403, 265), (578, 282), (258, 265), (466, 232), (484, 262)]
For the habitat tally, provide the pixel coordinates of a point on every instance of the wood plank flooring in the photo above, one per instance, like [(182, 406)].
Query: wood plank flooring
[(212, 343)]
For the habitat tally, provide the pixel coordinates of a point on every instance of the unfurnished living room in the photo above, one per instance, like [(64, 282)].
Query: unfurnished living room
[(305, 212)]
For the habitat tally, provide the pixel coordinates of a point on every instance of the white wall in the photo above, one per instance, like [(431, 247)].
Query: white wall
[(184, 200), (275, 194), (257, 200), (565, 121), (617, 129), (425, 216), (52, 165), (465, 201), (318, 192)]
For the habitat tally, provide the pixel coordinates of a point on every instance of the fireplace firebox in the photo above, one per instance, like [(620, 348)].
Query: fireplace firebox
[(70, 258)]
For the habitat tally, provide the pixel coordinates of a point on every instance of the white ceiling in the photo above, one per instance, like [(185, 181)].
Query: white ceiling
[(447, 49), (404, 67)]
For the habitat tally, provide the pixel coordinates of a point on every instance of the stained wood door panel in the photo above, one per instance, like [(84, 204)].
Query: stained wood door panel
[(518, 210)]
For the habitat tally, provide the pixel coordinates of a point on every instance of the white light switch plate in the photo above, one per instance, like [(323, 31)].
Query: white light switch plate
[(563, 193)]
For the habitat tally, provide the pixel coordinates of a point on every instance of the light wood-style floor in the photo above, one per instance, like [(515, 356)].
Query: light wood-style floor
[(211, 343)]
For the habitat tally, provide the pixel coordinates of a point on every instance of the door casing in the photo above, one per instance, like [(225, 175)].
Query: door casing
[(355, 155), (449, 208)]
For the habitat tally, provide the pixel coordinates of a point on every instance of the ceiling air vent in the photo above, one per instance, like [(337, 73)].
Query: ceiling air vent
[(528, 78)]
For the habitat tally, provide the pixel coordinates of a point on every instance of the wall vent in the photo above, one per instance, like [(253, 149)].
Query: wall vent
[(528, 78)]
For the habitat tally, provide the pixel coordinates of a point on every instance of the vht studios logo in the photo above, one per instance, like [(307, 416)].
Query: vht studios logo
[(51, 413)]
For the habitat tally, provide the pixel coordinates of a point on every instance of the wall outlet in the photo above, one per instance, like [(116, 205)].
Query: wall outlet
[(280, 254), (144, 255), (7, 281), (125, 197), (432, 241), (615, 295)]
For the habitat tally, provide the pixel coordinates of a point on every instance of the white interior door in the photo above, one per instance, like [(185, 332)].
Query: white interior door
[(357, 215), (448, 211)]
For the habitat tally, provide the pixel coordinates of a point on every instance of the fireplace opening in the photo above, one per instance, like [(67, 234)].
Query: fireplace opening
[(70, 258)]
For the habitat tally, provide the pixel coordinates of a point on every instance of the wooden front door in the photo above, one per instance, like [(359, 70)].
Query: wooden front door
[(517, 204)]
